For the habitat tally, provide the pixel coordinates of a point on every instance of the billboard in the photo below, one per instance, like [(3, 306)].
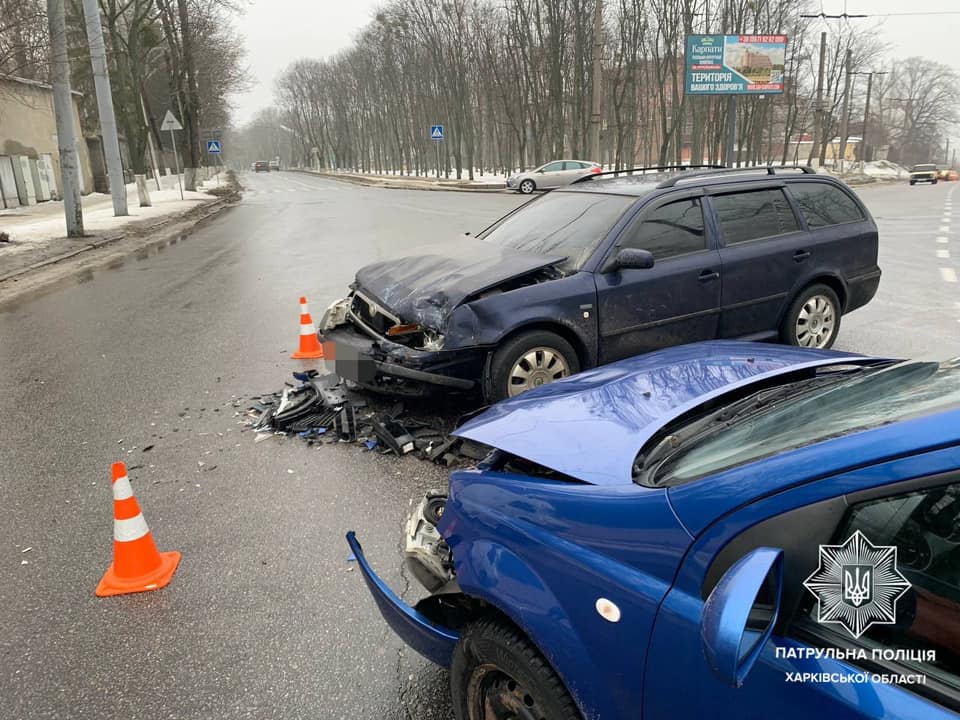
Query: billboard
[(735, 64)]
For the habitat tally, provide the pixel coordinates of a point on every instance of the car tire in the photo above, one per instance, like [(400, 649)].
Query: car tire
[(813, 318), (913, 182), (553, 358), (495, 668), (527, 186), (933, 182)]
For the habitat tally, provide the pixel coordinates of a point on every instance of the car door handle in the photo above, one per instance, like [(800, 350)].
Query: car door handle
[(801, 255), (708, 275)]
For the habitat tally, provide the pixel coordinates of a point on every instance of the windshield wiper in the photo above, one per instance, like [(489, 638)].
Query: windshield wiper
[(647, 463)]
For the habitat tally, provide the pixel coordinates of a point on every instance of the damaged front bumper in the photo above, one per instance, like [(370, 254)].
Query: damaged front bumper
[(381, 365), (432, 640)]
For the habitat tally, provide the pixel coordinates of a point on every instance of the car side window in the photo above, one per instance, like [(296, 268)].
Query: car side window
[(912, 555), (746, 216), (553, 167), (572, 165), (823, 205), (670, 230)]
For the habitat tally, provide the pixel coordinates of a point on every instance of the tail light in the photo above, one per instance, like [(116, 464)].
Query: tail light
[(596, 169)]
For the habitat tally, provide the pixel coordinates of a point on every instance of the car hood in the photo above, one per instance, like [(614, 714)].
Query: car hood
[(591, 426), (425, 287)]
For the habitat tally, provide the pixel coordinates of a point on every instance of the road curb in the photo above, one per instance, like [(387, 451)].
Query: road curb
[(408, 184), (104, 249), (147, 232)]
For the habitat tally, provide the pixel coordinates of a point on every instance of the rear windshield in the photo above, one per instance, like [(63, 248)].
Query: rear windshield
[(877, 398), (571, 224)]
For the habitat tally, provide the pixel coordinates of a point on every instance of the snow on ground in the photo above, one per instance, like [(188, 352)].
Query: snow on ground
[(30, 226)]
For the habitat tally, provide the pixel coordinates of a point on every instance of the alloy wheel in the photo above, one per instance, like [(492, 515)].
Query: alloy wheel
[(526, 187), (538, 366), (816, 322)]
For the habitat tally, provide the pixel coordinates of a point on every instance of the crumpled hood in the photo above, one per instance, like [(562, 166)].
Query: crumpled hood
[(426, 287), (592, 425)]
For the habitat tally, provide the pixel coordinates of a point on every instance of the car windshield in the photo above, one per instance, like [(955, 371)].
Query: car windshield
[(924, 168), (571, 224), (865, 400)]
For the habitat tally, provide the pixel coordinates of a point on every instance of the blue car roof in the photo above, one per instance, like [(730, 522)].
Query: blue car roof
[(591, 426)]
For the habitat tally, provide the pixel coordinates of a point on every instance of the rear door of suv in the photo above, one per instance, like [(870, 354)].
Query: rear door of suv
[(842, 237), (764, 253)]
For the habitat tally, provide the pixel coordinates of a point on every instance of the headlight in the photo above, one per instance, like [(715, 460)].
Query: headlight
[(432, 341)]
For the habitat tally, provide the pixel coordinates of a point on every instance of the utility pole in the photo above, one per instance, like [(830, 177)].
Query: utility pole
[(845, 113), (108, 123), (597, 81), (63, 109), (818, 129), (864, 153)]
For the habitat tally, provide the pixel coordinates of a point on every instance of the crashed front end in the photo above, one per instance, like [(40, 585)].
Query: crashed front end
[(372, 347), (409, 323)]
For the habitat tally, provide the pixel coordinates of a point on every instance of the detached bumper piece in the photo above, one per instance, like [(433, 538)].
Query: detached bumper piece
[(435, 642)]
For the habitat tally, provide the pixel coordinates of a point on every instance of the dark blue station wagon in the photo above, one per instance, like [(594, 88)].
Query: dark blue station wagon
[(608, 268)]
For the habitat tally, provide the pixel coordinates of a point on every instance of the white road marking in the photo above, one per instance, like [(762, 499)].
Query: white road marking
[(943, 254), (942, 239), (944, 229), (948, 274)]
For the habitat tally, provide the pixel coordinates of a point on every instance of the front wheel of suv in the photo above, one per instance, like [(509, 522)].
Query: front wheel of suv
[(529, 360), (813, 319)]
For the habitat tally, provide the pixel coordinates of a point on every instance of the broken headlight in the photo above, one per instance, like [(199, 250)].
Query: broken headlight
[(432, 340), (335, 314)]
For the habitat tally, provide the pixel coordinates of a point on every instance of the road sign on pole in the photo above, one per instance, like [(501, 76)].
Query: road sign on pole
[(171, 123), (436, 132), (213, 147)]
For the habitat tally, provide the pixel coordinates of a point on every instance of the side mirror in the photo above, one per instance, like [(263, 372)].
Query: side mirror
[(539, 170), (739, 615), (632, 259)]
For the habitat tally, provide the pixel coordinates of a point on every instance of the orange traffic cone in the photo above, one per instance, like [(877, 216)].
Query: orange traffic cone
[(137, 566), (310, 347)]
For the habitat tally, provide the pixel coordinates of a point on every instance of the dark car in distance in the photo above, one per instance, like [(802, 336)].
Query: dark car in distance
[(612, 266), (261, 166)]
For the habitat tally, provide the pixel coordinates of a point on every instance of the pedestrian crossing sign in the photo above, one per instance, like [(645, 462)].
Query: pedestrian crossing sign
[(213, 147), (436, 132)]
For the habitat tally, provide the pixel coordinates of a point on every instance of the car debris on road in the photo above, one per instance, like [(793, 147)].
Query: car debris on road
[(324, 409)]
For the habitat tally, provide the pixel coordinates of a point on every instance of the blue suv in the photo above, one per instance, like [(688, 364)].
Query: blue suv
[(615, 265), (719, 530)]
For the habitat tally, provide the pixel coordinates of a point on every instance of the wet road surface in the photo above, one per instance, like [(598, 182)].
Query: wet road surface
[(265, 617)]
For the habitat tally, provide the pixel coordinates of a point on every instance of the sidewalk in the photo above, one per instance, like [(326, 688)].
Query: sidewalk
[(854, 175), (38, 232), (491, 183)]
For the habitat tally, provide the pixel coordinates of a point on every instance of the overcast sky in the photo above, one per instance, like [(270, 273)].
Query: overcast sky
[(277, 32)]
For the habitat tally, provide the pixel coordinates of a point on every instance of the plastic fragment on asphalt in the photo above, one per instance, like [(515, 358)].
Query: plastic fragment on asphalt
[(371, 444), (24, 562), (26, 550), (394, 435), (345, 423), (290, 471), (351, 558)]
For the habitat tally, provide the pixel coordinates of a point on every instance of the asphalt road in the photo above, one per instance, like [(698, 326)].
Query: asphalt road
[(265, 618)]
